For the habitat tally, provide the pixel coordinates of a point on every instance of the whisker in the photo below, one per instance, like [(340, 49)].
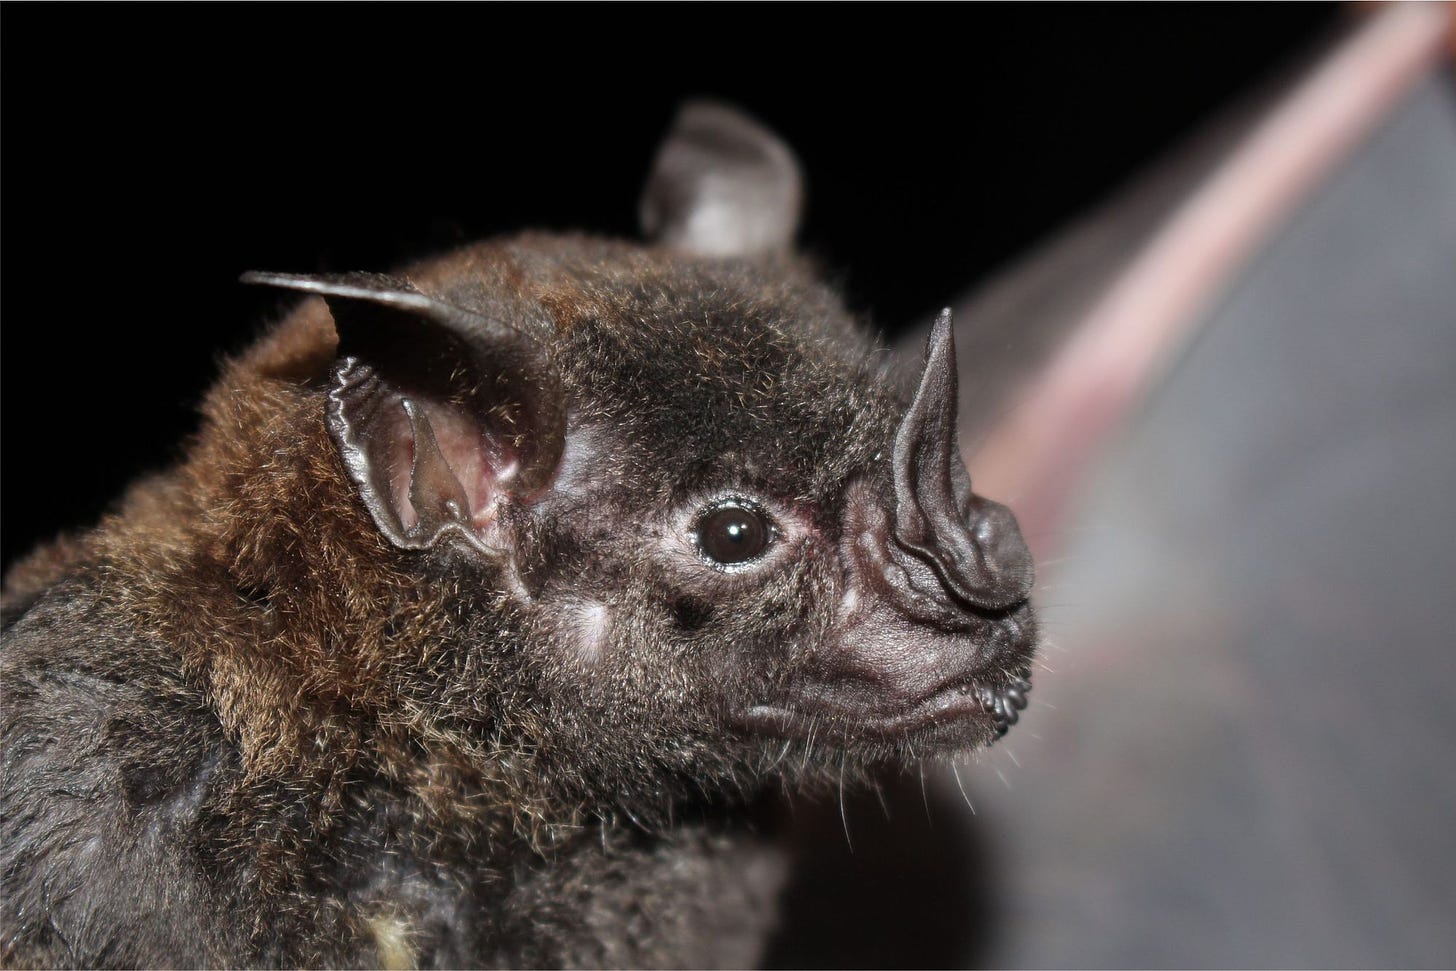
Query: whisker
[(924, 796), (880, 798), (962, 787), (808, 745)]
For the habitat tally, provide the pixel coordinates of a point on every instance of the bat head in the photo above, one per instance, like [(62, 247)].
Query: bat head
[(684, 521)]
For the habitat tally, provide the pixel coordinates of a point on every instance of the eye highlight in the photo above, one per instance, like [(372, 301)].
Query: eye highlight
[(732, 533)]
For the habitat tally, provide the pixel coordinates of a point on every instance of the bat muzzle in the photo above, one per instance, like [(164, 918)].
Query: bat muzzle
[(932, 642)]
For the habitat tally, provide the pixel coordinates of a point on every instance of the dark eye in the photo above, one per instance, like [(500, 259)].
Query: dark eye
[(732, 533)]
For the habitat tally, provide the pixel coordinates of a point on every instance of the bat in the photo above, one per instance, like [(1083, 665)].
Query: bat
[(491, 595)]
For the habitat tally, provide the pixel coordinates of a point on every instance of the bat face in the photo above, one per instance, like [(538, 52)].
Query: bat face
[(691, 523), (685, 522)]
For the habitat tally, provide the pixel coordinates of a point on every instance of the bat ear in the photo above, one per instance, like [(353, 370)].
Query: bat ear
[(437, 412), (722, 185)]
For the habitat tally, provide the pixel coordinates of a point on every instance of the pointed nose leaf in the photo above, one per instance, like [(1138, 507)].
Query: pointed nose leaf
[(972, 545)]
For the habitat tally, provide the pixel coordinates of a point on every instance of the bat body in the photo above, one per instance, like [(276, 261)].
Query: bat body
[(490, 595)]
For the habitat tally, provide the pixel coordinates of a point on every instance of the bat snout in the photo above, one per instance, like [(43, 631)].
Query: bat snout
[(907, 660)]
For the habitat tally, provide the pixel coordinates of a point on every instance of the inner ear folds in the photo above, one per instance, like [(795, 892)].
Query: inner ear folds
[(438, 412)]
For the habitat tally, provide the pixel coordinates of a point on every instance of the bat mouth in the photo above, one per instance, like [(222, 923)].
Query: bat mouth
[(964, 713), (881, 679)]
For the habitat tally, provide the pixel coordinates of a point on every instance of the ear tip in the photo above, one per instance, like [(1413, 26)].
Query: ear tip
[(285, 281), (942, 333), (723, 119), (376, 288), (722, 184), (264, 278)]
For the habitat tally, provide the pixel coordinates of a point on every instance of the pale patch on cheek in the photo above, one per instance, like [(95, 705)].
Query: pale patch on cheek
[(585, 630), (392, 942)]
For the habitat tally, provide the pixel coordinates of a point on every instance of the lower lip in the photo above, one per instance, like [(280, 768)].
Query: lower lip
[(954, 711)]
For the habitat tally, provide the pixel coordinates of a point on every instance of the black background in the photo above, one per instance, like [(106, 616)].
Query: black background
[(151, 155)]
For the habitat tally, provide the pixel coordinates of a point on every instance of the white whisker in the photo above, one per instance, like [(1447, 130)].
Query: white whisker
[(924, 796), (962, 787)]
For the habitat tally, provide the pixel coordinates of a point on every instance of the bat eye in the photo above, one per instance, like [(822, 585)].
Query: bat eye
[(732, 533)]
